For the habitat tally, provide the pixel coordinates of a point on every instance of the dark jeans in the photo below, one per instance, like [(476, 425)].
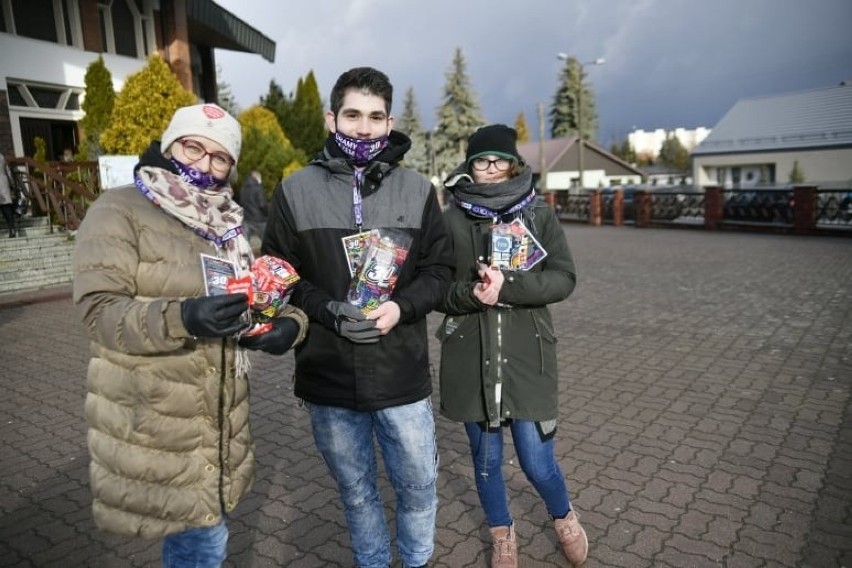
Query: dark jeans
[(9, 216)]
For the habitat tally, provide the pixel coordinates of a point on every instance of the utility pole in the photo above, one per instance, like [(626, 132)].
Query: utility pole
[(542, 165), (579, 128)]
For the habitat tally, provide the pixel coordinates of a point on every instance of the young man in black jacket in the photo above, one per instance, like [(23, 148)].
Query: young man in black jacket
[(365, 374)]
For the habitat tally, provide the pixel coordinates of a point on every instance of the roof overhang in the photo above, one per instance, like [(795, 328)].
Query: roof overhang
[(221, 29)]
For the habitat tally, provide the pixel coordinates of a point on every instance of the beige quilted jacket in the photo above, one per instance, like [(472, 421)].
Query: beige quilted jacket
[(168, 416)]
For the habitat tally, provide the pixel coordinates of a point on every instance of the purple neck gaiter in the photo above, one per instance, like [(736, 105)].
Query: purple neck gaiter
[(359, 150), (197, 178)]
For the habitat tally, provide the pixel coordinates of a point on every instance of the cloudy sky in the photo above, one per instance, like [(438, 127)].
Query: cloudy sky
[(668, 63)]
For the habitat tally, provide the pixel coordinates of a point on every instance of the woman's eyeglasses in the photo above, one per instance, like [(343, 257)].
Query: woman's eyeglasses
[(482, 164), (195, 151)]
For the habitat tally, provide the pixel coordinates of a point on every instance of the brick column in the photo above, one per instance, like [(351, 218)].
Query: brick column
[(595, 211), (804, 209), (714, 203), (618, 207), (550, 198), (642, 210)]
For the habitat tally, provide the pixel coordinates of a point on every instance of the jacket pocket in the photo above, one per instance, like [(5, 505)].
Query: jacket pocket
[(546, 337)]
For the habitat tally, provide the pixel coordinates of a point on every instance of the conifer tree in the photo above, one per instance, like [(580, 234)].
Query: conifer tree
[(304, 124), (144, 108), (409, 123), (522, 129), (796, 175), (224, 94), (98, 105), (565, 113), (673, 153), (266, 148), (458, 117)]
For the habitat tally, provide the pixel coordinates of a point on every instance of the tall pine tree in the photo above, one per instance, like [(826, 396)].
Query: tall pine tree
[(458, 117), (305, 123), (98, 105), (224, 94), (409, 123), (565, 113)]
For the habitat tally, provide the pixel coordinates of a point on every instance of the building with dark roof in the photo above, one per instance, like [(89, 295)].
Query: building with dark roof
[(759, 141), (559, 158), (47, 46)]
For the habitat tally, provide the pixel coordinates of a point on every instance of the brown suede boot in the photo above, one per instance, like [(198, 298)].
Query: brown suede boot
[(572, 538), (504, 551)]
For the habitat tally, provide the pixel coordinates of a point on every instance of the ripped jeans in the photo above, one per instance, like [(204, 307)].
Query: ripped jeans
[(406, 437)]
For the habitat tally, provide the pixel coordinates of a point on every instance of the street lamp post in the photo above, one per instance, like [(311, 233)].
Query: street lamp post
[(598, 61)]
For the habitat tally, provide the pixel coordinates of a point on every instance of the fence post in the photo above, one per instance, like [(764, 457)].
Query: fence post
[(550, 199), (804, 209), (642, 209), (595, 212), (714, 204), (618, 207)]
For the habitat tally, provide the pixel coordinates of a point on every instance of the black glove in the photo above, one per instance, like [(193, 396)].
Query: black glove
[(215, 316), (277, 340), (350, 323)]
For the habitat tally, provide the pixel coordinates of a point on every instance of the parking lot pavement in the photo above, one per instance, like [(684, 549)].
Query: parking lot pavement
[(706, 421)]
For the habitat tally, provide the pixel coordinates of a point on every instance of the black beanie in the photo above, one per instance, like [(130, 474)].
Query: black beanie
[(496, 140)]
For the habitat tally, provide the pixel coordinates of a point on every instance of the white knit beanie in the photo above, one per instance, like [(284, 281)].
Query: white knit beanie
[(208, 120)]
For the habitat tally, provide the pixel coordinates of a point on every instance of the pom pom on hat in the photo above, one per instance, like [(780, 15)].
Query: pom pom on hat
[(496, 140), (207, 120)]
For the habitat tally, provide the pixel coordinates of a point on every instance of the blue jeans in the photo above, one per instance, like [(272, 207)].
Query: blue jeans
[(406, 436), (203, 547), (537, 462)]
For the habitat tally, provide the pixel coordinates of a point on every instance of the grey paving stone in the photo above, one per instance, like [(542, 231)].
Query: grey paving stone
[(706, 396)]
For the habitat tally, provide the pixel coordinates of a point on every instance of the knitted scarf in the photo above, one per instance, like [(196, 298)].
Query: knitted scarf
[(491, 199)]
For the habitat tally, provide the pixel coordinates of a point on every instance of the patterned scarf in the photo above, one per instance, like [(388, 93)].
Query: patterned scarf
[(210, 213)]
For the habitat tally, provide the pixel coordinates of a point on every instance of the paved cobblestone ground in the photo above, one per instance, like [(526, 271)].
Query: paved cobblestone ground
[(706, 421)]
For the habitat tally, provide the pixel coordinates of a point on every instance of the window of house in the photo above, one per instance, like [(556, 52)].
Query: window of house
[(34, 95), (126, 27), (56, 21), (34, 19)]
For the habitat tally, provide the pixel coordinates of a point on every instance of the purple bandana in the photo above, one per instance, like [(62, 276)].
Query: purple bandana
[(359, 150), (197, 178)]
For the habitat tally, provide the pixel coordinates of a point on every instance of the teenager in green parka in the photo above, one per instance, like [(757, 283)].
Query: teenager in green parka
[(498, 358)]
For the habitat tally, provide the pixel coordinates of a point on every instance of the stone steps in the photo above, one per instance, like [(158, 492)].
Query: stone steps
[(37, 258)]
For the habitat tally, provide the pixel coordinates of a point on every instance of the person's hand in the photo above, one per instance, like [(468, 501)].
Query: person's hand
[(350, 323), (215, 316), (386, 316), (275, 341), (487, 290)]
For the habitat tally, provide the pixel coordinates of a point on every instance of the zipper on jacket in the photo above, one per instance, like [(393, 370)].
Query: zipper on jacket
[(221, 405)]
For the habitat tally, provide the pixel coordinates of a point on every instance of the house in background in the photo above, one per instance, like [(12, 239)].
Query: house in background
[(47, 46), (560, 159), (760, 139)]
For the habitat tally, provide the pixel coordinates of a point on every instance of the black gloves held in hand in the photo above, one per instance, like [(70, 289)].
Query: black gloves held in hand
[(275, 341), (215, 316), (350, 323)]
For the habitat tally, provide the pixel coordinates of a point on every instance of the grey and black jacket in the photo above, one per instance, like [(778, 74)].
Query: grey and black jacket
[(311, 213)]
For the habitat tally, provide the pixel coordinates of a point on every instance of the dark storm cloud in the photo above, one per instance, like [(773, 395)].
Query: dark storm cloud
[(669, 63)]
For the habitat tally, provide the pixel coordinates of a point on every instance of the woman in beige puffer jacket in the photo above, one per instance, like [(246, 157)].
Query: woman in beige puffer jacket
[(168, 396)]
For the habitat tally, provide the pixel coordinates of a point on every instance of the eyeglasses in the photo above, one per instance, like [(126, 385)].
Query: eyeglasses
[(195, 151), (482, 164)]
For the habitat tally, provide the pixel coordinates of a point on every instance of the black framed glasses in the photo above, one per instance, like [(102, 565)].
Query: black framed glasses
[(482, 164), (195, 151)]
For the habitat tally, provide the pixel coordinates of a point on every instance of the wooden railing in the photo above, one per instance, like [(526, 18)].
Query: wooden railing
[(62, 191)]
